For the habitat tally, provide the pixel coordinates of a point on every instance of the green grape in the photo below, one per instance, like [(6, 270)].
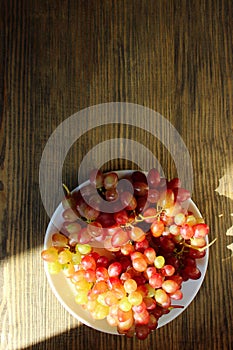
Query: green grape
[(83, 248)]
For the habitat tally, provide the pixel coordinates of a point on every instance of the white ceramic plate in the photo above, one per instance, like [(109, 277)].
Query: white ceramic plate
[(65, 292)]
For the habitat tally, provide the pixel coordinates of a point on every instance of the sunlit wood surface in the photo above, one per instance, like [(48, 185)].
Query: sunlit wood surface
[(59, 57)]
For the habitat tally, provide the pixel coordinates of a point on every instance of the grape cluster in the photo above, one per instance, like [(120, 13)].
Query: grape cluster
[(150, 246)]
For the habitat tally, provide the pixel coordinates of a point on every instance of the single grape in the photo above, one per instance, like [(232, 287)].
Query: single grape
[(179, 219), (81, 297), (110, 180), (153, 322), (150, 255), (142, 204), (96, 178), (50, 254), (83, 284), (121, 217), (140, 189), (64, 256), (59, 240), (142, 331), (162, 298), (102, 261), (100, 287), (141, 245), (153, 178), (90, 275), (141, 318), (83, 236), (138, 176), (157, 228), (70, 215), (111, 298), (186, 231), (168, 270), (54, 267), (159, 262), (114, 269), (100, 312), (130, 285), (137, 234), (120, 238), (94, 229), (192, 272), (156, 280), (174, 183), (128, 201), (170, 286), (200, 230), (135, 298), (153, 195), (127, 249), (151, 270), (101, 273), (88, 262), (83, 248), (166, 199), (178, 295), (68, 270), (181, 194), (124, 304), (139, 264)]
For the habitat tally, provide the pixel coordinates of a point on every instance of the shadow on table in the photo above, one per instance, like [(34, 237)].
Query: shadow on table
[(81, 338)]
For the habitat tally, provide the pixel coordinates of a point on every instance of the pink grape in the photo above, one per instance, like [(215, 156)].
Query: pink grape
[(96, 178), (153, 178), (120, 238), (114, 269)]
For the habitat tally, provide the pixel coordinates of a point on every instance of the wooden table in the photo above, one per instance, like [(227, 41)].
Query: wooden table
[(59, 57)]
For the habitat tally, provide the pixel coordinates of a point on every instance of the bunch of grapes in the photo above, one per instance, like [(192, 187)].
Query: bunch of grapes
[(128, 263)]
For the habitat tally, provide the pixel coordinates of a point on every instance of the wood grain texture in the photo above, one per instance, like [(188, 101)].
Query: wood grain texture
[(58, 57)]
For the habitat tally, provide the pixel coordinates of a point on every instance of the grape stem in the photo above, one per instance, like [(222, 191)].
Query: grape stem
[(200, 249), (68, 193)]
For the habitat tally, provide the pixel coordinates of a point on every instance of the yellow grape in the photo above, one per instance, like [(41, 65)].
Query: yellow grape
[(54, 267), (76, 258), (83, 285), (68, 270), (59, 240), (130, 285), (100, 312), (159, 262), (124, 304), (135, 298), (191, 220), (50, 254), (81, 297), (101, 299), (65, 256)]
